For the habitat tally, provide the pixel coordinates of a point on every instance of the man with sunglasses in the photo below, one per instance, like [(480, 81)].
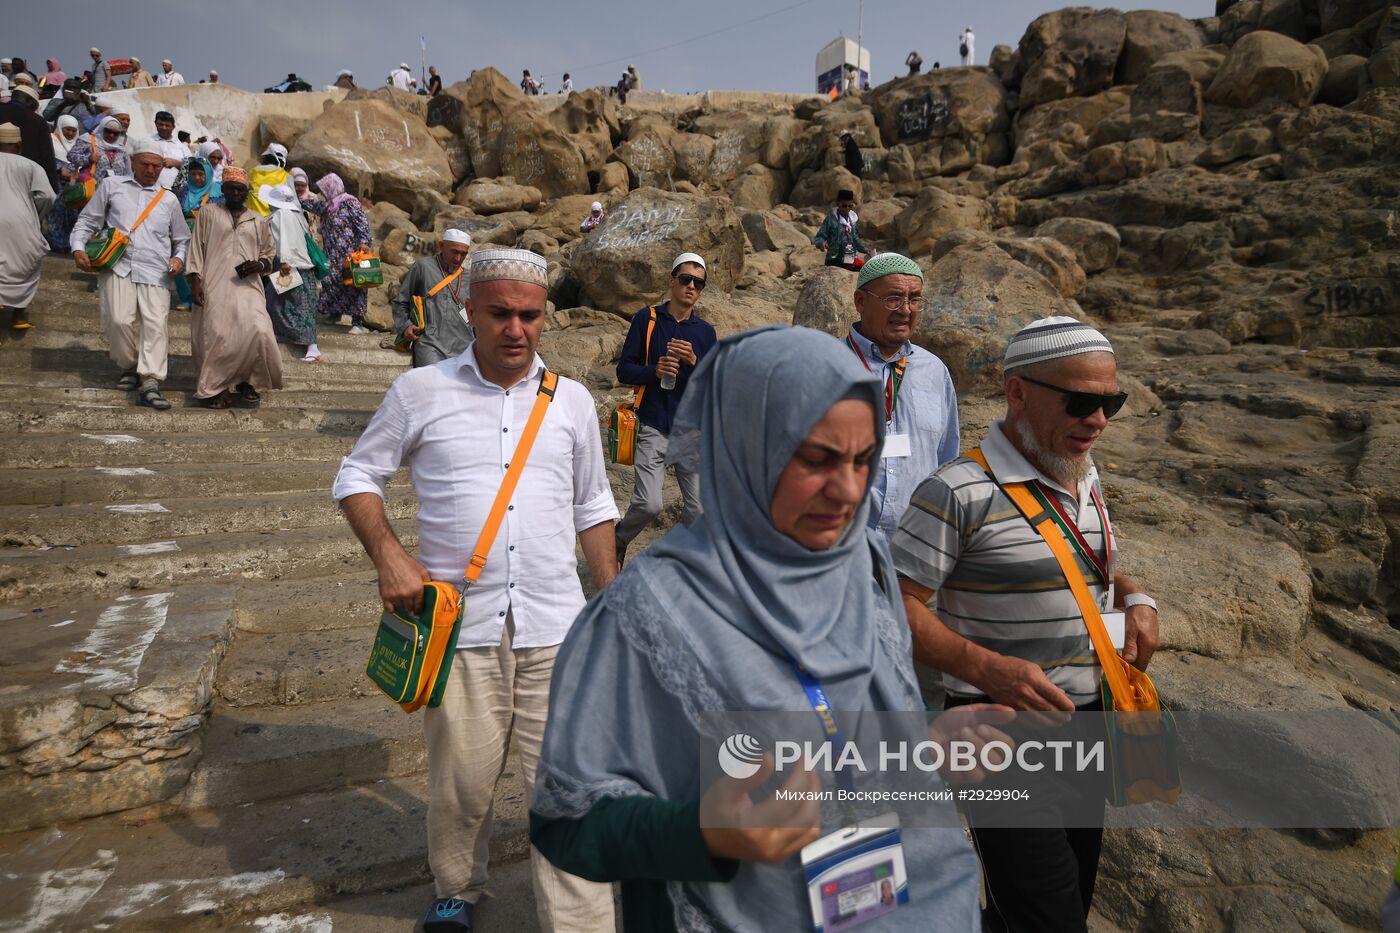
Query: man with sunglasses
[(1007, 628), (921, 405), (662, 367)]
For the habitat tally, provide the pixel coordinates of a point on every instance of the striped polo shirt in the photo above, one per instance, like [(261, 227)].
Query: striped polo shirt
[(997, 582)]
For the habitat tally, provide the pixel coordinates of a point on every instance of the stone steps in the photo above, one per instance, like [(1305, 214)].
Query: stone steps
[(39, 577), (82, 317), (17, 397), (186, 416), (170, 518), (147, 449), (366, 353)]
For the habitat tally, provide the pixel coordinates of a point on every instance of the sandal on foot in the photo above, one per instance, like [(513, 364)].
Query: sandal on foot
[(220, 401), (128, 382), (21, 325), (448, 914), (151, 398), (314, 358), (247, 392)]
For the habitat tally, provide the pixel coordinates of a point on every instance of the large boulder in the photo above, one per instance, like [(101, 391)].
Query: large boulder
[(590, 119), (627, 260), (760, 188), (960, 102), (1167, 90), (400, 100), (1070, 52), (1148, 36), (827, 303), (1050, 258), (1383, 68), (1266, 65), (936, 212), (768, 231), (1095, 243), (497, 196), (1343, 81), (1340, 14), (380, 152), (692, 153), (650, 160), (741, 140), (978, 297), (1048, 121)]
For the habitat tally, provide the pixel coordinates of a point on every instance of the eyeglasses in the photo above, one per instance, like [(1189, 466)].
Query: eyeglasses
[(1084, 404), (895, 302), (685, 278)]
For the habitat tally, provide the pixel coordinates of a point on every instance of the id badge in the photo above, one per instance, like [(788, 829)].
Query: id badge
[(1116, 623), (896, 445), (855, 874), (462, 312)]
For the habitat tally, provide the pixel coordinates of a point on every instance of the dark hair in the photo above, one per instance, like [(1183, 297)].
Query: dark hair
[(845, 194), (183, 136), (165, 115)]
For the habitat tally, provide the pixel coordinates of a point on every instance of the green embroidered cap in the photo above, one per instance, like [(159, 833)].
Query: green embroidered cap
[(883, 264)]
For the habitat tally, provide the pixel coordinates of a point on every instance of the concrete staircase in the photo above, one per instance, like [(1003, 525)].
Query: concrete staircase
[(187, 739)]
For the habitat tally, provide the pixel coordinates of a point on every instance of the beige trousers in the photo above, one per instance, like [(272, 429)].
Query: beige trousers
[(493, 693), (133, 321)]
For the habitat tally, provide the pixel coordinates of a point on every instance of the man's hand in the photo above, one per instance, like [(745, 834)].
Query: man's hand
[(197, 289), (667, 366), (1021, 685), (176, 265), (285, 269), (401, 580), (1140, 636), (682, 351), (248, 267), (172, 163), (734, 827), (975, 723), (80, 258), (412, 333)]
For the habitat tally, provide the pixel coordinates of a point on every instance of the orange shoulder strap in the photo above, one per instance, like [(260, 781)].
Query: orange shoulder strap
[(1113, 665), (146, 213), (638, 392), (445, 282), (543, 397)]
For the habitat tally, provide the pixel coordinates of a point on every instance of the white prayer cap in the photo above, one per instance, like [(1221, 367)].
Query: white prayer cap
[(24, 89), (516, 265), (9, 133), (103, 101), (92, 51), (1052, 338), (453, 235), (596, 206), (6, 61), (146, 145), (166, 61), (345, 73), (403, 65), (688, 257), (213, 73), (279, 196)]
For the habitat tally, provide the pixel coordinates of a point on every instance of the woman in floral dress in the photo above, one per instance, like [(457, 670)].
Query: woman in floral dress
[(344, 229)]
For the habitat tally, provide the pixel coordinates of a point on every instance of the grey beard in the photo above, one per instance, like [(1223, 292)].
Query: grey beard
[(1068, 473)]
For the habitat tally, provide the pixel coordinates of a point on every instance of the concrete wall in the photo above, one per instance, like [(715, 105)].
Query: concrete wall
[(219, 110)]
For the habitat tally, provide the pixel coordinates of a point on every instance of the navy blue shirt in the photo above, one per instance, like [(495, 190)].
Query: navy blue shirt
[(658, 407)]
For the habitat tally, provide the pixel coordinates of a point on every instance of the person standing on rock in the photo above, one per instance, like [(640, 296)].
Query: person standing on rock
[(169, 77), (1007, 626), (840, 233), (460, 420), (345, 79), (438, 282), (230, 331), (134, 295), (25, 197), (921, 405), (101, 72), (344, 229), (594, 218), (293, 310), (662, 349), (434, 81), (852, 156), (915, 61), (402, 78), (568, 86), (140, 77), (966, 49)]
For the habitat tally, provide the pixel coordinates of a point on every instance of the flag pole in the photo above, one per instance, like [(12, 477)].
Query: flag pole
[(860, 44)]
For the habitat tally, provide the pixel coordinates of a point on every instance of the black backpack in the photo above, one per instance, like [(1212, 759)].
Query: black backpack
[(962, 50)]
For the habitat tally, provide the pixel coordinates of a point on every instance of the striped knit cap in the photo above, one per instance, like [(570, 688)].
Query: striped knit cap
[(1051, 338)]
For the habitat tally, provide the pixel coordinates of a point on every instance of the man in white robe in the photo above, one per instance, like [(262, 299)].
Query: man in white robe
[(25, 196)]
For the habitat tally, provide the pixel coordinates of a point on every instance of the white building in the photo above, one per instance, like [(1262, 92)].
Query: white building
[(833, 59)]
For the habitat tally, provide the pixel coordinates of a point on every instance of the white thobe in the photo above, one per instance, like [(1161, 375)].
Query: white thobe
[(25, 196)]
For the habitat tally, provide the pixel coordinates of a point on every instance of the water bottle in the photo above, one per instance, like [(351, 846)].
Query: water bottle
[(668, 382)]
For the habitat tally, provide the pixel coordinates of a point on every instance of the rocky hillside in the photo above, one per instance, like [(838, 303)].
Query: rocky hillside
[(1219, 194)]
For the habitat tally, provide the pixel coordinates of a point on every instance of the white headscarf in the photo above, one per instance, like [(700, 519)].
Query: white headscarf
[(61, 144), (205, 149), (288, 226), (107, 123)]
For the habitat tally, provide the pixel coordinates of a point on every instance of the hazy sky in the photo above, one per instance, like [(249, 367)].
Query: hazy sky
[(737, 44)]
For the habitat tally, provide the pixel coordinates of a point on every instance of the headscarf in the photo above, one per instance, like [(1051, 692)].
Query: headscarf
[(710, 618), (289, 227), (333, 189), (278, 153), (54, 75), (61, 145), (209, 147), (294, 174), (110, 122), (194, 197)]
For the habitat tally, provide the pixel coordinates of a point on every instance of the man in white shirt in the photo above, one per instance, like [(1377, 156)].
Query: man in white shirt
[(173, 152), (402, 78), (966, 49), (457, 423), (169, 77), (134, 295)]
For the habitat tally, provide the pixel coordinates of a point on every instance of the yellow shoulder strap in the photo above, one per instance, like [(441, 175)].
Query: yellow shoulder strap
[(638, 392), (445, 282), (543, 397), (1113, 665), (146, 213)]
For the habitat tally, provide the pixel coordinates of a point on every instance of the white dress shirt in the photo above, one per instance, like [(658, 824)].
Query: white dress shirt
[(169, 79), (170, 149), (457, 432), (118, 202), (402, 79)]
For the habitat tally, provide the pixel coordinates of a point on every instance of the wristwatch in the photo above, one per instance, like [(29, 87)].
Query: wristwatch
[(1139, 599)]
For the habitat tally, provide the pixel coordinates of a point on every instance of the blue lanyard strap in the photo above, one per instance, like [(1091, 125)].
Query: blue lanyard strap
[(834, 737)]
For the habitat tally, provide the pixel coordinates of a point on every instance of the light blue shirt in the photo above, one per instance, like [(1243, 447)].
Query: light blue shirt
[(927, 411)]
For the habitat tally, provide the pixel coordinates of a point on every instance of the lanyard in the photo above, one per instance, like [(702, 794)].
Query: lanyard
[(454, 287), (834, 737), (891, 384), (1102, 565)]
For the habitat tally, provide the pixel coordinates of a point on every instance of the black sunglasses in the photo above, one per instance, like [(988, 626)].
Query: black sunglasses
[(685, 278), (1084, 404)]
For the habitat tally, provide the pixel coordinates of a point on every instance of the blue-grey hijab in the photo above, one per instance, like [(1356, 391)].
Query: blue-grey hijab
[(710, 618)]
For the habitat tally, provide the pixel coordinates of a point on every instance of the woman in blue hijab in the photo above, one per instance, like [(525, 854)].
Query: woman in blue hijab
[(200, 189), (779, 571)]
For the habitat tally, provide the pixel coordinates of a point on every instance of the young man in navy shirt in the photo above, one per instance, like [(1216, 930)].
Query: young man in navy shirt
[(679, 338)]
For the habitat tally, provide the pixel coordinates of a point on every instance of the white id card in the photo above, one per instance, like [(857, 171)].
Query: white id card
[(896, 445), (855, 874), (463, 313), (1116, 623)]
